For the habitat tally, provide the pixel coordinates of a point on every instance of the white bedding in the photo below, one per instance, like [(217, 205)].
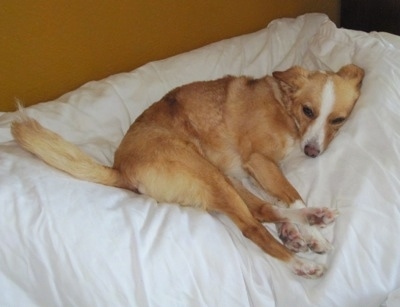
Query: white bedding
[(64, 242)]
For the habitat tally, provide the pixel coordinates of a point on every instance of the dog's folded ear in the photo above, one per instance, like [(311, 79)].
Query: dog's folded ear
[(293, 77), (352, 73)]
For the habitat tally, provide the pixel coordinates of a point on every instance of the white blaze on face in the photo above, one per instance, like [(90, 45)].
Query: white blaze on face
[(315, 134)]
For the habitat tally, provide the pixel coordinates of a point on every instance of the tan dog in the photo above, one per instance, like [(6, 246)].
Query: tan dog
[(195, 145)]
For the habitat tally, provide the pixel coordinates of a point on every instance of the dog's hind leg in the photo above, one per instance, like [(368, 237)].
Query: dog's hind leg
[(189, 179)]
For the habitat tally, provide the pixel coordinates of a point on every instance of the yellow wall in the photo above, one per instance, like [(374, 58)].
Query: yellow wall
[(49, 47)]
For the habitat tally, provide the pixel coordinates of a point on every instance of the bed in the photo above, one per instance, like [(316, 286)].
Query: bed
[(64, 242)]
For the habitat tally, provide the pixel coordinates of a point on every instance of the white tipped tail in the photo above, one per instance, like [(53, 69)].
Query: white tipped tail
[(61, 154)]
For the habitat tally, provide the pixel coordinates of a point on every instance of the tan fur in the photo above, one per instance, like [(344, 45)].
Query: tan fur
[(60, 154), (195, 145)]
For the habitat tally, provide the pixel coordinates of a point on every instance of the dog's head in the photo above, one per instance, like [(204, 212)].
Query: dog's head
[(320, 102)]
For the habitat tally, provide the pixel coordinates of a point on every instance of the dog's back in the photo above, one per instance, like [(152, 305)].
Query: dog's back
[(224, 120)]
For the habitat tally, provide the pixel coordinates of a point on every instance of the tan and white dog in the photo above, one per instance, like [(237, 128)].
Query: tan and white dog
[(195, 145)]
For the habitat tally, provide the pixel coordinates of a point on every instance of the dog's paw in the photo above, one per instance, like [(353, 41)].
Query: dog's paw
[(320, 217), (292, 238), (315, 240), (306, 268)]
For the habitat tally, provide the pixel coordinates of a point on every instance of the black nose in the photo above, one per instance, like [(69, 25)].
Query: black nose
[(311, 151)]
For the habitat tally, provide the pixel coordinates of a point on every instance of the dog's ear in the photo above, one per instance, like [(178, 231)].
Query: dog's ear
[(352, 73), (294, 77)]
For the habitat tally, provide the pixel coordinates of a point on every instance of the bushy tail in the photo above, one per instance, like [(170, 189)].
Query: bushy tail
[(59, 153)]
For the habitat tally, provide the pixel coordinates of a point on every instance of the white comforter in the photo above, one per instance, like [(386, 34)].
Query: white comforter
[(64, 242)]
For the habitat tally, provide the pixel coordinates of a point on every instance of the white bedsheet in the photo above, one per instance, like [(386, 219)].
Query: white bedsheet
[(64, 242)]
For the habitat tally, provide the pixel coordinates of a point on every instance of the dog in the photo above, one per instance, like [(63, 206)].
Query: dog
[(196, 145)]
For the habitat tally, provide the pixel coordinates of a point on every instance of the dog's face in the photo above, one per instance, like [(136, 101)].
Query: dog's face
[(320, 102)]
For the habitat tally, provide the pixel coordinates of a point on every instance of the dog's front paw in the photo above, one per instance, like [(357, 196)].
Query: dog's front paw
[(291, 237), (315, 240), (320, 217), (306, 268)]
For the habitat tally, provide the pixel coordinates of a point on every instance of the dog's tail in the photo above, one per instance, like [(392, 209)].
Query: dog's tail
[(59, 153)]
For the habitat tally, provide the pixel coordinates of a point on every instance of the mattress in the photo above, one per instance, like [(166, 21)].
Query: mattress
[(66, 242)]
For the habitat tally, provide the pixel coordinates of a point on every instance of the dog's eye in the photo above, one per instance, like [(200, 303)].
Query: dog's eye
[(308, 112), (337, 120)]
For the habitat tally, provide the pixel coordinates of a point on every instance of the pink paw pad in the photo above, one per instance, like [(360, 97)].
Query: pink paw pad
[(321, 216), (307, 269), (292, 238)]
